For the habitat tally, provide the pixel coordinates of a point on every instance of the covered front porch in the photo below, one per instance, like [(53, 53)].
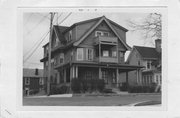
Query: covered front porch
[(114, 75)]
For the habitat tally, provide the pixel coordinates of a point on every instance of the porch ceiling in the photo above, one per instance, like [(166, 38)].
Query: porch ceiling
[(124, 67)]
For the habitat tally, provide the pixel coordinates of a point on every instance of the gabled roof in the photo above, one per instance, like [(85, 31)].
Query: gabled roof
[(147, 52), (27, 72), (58, 31), (96, 24)]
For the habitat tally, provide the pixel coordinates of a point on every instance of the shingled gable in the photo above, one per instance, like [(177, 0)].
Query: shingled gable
[(58, 31), (147, 52), (92, 28)]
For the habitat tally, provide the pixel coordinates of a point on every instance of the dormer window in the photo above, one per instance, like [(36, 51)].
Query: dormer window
[(70, 36)]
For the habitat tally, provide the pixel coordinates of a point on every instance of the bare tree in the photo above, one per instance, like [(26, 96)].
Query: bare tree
[(150, 27)]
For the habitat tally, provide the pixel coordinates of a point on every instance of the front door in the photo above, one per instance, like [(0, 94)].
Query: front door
[(109, 76)]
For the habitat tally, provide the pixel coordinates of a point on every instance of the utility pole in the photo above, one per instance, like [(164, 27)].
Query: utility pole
[(49, 56)]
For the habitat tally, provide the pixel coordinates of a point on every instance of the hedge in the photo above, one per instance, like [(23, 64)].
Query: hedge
[(85, 85)]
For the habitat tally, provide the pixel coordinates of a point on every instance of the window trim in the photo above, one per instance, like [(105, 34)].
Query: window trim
[(89, 56)]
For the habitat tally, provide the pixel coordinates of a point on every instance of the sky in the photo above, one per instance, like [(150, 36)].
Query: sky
[(36, 27)]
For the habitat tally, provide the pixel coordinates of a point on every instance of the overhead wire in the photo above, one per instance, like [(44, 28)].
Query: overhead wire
[(45, 37)]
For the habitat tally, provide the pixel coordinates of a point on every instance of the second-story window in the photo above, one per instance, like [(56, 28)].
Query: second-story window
[(61, 58), (105, 53), (114, 53), (148, 64), (79, 53), (89, 53)]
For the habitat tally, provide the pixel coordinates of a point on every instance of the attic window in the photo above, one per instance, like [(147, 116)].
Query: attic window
[(101, 33), (70, 36)]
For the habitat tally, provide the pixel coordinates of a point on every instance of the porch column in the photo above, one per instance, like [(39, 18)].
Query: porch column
[(127, 82), (100, 73), (99, 51), (137, 76), (64, 75), (58, 77), (73, 72), (76, 71), (117, 77)]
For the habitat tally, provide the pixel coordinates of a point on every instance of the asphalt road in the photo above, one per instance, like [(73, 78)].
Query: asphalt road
[(90, 100)]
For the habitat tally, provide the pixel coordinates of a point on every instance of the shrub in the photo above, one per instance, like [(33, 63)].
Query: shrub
[(100, 85), (141, 89), (59, 89), (76, 85), (123, 87), (87, 85)]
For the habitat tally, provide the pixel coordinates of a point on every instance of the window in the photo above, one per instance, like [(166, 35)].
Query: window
[(41, 82), (70, 36), (61, 58), (98, 33), (157, 78), (27, 81), (56, 42), (105, 34), (114, 53), (79, 53), (105, 76), (89, 54), (139, 63), (105, 53), (121, 54), (148, 65), (101, 33)]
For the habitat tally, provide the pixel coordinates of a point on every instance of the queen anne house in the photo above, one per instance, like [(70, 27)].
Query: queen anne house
[(150, 58), (89, 49)]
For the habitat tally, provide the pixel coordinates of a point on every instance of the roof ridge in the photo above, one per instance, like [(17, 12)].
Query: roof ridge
[(143, 46)]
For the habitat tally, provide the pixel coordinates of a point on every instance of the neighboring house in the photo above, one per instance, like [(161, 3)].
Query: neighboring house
[(150, 58), (33, 81), (89, 49)]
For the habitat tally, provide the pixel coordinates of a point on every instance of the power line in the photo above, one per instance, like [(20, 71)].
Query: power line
[(44, 38), (36, 25), (28, 19), (43, 35)]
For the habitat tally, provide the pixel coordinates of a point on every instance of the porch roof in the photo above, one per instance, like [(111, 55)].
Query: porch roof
[(123, 67)]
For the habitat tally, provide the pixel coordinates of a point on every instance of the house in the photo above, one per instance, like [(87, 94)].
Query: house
[(33, 81), (89, 49), (150, 58)]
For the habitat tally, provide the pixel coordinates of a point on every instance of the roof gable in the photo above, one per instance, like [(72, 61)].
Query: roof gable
[(92, 29), (147, 52)]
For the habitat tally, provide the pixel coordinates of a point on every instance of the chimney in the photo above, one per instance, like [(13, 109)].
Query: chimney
[(158, 45), (36, 71)]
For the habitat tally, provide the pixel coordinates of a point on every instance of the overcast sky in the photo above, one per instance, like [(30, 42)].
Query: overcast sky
[(36, 26)]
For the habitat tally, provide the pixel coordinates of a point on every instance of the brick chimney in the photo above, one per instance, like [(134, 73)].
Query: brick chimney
[(36, 71), (158, 45)]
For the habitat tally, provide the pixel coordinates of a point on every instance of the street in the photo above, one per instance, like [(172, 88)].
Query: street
[(90, 100)]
